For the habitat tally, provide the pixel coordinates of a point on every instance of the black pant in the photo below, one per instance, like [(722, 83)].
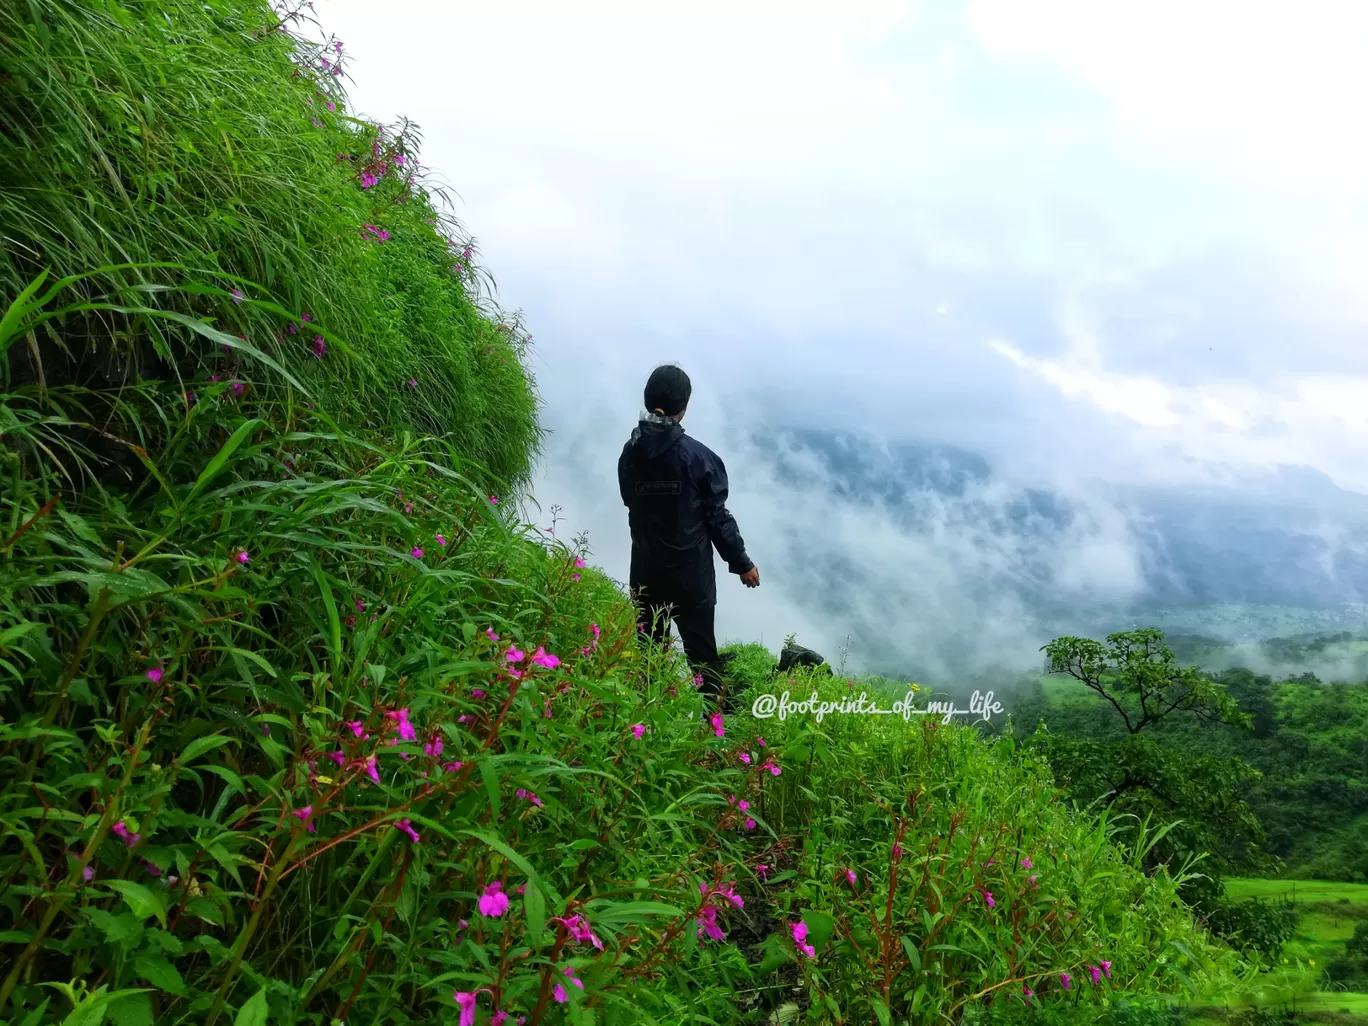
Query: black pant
[(695, 623)]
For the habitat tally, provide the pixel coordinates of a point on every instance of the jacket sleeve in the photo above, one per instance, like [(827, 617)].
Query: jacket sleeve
[(722, 529), (625, 478)]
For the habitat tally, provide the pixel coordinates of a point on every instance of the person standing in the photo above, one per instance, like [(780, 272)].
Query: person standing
[(675, 491)]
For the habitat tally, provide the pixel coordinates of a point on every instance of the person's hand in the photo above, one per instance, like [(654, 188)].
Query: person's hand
[(751, 578)]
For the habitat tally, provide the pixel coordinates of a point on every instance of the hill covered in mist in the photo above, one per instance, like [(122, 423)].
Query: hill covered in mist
[(935, 557)]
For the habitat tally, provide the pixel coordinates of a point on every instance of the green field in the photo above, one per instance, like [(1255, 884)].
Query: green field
[(1300, 891), (1327, 915)]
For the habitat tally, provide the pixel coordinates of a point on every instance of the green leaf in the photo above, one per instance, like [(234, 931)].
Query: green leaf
[(913, 955), (490, 775), (254, 1012), (881, 1010), (820, 925), (140, 899), (536, 915), (632, 910), (10, 323), (221, 458), (200, 745), (159, 972), (131, 1010)]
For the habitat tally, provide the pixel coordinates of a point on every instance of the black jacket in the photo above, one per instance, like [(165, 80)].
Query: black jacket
[(675, 491)]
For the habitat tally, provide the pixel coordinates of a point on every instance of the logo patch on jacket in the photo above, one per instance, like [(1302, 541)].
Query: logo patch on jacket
[(657, 488)]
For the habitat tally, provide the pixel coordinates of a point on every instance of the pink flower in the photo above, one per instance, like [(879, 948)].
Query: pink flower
[(762, 870), (406, 826), (745, 757), (1096, 974), (338, 757), (988, 897), (413, 382), (154, 675), (433, 747), (416, 552), (522, 889), (698, 679), (489, 633), (441, 541), (707, 924), (237, 295), (579, 562), (406, 730), (450, 767), (897, 850), (850, 875), (595, 628), (372, 770), (1066, 980), (1028, 992), (1026, 863), (529, 796), (638, 730), (750, 823), (478, 693), (360, 604), (493, 500), (88, 873), (1106, 968), (493, 902), (513, 655), (544, 659), (304, 814), (761, 742), (799, 931), (547, 707), (716, 721), (319, 346), (357, 727), (498, 1019), (243, 558), (122, 833), (573, 978), (1032, 881), (466, 1000), (579, 930), (238, 387)]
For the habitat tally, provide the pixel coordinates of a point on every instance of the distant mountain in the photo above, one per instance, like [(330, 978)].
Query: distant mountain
[(1094, 560)]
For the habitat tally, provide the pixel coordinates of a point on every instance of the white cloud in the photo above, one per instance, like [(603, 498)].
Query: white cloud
[(824, 210)]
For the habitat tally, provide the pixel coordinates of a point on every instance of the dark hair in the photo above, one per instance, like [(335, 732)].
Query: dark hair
[(667, 390)]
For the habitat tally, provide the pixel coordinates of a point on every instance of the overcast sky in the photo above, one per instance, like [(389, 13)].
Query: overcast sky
[(1088, 239)]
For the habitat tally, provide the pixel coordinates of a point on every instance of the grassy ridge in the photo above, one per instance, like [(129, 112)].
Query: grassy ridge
[(208, 136)]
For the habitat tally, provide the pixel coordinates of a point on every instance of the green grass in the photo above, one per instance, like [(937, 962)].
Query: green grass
[(1302, 891), (201, 135)]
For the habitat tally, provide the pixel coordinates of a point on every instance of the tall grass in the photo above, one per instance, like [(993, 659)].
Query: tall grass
[(210, 136)]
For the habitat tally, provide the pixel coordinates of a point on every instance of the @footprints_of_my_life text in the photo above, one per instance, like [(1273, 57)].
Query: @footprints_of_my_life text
[(766, 706)]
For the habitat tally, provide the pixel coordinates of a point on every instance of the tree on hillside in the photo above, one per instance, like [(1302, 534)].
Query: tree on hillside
[(1137, 673), (1139, 773)]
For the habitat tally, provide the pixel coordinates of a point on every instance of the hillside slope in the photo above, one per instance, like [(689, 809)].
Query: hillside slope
[(298, 724)]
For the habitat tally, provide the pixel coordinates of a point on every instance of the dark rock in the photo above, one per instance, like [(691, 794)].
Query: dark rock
[(794, 656)]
